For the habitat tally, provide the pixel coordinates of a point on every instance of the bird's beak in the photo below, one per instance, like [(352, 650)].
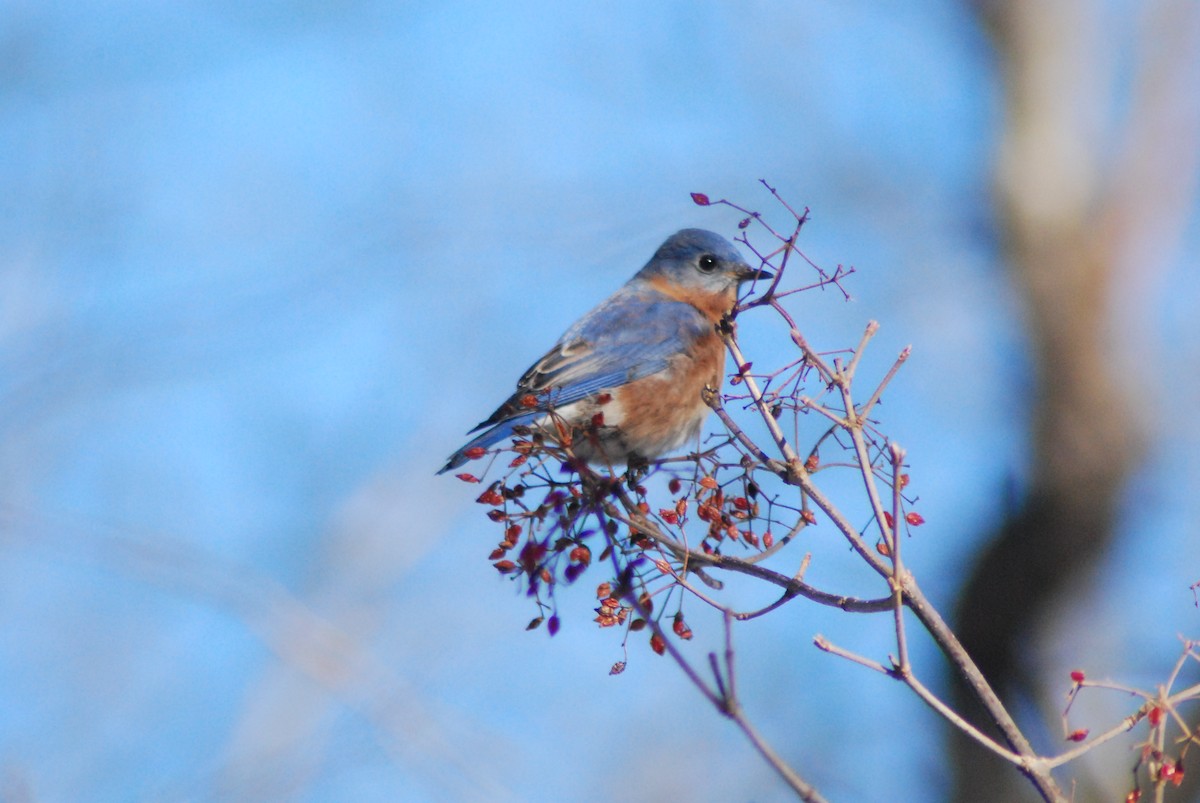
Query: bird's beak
[(747, 274)]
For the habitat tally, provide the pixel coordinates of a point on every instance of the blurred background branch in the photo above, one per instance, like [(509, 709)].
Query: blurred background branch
[(1095, 177)]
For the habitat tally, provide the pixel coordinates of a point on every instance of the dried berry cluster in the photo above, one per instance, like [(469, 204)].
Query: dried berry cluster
[(557, 516)]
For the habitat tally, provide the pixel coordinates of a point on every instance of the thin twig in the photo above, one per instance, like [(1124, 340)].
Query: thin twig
[(781, 442), (887, 379), (897, 566), (868, 333)]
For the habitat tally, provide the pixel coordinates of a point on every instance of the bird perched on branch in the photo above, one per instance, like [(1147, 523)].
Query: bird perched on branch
[(625, 382)]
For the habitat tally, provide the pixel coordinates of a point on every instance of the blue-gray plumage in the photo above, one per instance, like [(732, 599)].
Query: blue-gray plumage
[(641, 359)]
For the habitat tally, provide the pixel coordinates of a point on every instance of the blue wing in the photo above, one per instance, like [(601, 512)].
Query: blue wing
[(633, 334)]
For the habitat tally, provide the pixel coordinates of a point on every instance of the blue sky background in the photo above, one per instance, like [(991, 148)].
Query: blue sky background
[(262, 265)]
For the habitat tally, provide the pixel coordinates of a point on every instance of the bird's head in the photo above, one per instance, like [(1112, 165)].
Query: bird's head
[(702, 262)]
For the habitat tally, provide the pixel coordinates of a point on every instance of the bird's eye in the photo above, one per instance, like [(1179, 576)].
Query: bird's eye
[(707, 263)]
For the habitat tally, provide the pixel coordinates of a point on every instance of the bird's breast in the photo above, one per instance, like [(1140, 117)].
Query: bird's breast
[(660, 412)]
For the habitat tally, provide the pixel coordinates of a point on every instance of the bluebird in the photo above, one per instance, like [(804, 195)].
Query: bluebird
[(626, 381)]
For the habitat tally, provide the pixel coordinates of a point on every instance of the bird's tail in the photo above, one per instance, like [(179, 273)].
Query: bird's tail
[(487, 438)]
